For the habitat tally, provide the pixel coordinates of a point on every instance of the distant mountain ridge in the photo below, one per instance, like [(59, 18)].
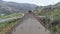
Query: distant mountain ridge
[(13, 7)]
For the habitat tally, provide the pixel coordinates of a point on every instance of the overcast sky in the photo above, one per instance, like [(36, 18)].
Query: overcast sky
[(37, 2)]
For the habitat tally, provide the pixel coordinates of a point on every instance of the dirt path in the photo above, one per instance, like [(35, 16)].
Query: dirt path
[(30, 26)]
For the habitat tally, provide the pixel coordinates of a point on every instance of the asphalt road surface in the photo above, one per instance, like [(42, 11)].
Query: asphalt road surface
[(30, 26)]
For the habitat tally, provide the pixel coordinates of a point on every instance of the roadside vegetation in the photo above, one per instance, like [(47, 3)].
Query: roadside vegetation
[(51, 17), (6, 25), (11, 15)]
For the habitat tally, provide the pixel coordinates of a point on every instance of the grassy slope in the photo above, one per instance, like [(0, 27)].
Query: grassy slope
[(54, 14), (11, 15), (51, 14), (5, 26)]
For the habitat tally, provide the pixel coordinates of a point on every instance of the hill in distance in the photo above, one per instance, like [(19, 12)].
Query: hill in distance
[(13, 7), (50, 10)]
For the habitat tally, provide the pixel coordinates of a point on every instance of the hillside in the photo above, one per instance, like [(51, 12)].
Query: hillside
[(13, 7), (50, 10), (52, 16)]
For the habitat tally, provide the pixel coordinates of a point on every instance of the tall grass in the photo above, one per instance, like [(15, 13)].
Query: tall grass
[(55, 15), (5, 26), (11, 15)]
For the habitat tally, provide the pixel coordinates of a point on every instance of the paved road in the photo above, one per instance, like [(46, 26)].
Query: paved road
[(30, 26)]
